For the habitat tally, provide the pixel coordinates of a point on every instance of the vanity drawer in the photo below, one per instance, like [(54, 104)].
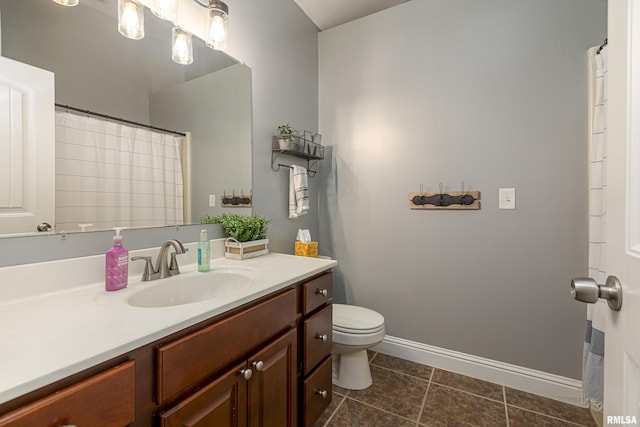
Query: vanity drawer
[(317, 292), (106, 399), (316, 386), (317, 338), (184, 362)]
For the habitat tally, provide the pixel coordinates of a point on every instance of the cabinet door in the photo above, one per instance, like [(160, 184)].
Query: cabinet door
[(272, 389), (221, 403)]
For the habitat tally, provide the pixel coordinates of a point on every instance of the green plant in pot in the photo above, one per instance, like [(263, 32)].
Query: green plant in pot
[(286, 138), (246, 234)]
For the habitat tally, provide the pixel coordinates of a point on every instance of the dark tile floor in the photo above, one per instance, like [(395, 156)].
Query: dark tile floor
[(408, 394)]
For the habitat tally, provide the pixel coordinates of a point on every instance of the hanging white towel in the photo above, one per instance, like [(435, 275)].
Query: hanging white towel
[(298, 192)]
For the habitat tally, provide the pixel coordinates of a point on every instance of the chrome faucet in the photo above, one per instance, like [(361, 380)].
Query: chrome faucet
[(163, 268)]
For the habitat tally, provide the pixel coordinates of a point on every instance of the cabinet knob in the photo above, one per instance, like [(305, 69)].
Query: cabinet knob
[(246, 374), (322, 337), (322, 393), (258, 365), (322, 292)]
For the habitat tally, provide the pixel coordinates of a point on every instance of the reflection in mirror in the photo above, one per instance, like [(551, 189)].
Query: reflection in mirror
[(97, 69)]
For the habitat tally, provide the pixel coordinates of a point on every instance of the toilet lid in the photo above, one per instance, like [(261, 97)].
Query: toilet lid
[(356, 320)]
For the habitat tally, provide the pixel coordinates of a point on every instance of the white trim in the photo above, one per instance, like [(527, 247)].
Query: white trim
[(553, 386)]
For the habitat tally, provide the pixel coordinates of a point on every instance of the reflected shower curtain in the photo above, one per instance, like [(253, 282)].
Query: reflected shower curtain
[(593, 353), (111, 174)]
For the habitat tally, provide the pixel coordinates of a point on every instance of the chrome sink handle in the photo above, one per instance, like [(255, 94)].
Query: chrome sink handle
[(148, 273)]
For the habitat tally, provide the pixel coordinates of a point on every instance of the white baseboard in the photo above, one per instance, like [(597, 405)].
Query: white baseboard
[(517, 377)]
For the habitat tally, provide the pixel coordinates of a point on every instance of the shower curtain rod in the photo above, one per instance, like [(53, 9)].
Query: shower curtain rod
[(121, 120)]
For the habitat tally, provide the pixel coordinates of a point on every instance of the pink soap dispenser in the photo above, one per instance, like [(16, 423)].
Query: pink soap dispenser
[(117, 264)]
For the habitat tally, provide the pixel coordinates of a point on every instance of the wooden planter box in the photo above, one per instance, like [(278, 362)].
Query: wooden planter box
[(236, 250)]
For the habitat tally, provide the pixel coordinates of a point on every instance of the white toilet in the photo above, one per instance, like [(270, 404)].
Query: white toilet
[(355, 329)]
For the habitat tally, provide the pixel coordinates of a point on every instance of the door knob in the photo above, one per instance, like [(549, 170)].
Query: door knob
[(586, 289)]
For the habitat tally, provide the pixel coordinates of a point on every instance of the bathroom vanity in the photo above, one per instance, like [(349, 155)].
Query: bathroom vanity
[(258, 356)]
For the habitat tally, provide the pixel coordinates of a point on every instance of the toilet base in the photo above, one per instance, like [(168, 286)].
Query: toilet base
[(351, 370)]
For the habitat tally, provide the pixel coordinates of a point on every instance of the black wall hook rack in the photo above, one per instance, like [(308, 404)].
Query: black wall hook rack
[(445, 199), (233, 201)]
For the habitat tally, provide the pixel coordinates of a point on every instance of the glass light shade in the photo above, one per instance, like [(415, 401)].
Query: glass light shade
[(182, 46), (67, 2), (217, 23), (131, 19), (165, 9)]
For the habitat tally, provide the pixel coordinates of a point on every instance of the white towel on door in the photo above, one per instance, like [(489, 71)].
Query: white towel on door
[(298, 192)]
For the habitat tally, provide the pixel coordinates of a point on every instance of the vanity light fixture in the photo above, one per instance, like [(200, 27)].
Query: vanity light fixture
[(131, 19), (217, 23), (165, 9), (182, 46), (67, 2)]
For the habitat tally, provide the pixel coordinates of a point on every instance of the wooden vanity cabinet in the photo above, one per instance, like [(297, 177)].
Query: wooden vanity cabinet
[(316, 342), (260, 391), (198, 376), (266, 397), (105, 399)]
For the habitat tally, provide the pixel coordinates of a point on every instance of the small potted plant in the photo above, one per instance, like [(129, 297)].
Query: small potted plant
[(286, 137), (246, 234)]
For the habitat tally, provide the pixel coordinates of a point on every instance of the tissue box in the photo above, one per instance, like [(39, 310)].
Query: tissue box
[(307, 249)]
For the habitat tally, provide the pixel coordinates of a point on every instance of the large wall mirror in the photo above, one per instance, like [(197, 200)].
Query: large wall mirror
[(99, 70)]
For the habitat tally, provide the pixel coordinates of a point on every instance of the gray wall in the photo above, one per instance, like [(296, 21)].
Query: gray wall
[(279, 43), (220, 126), (491, 93)]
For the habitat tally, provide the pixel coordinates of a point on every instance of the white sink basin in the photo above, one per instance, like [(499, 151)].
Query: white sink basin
[(192, 287)]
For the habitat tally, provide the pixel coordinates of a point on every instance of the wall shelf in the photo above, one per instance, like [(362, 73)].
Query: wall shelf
[(296, 146)]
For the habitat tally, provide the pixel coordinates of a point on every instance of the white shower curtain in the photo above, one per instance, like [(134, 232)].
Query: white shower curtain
[(114, 175), (593, 354)]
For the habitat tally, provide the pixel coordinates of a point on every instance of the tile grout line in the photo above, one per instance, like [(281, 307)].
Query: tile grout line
[(334, 411), (506, 409), (546, 415), (379, 409), (424, 399), (405, 374), (468, 392)]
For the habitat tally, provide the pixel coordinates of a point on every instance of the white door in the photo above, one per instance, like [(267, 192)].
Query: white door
[(27, 147), (622, 333)]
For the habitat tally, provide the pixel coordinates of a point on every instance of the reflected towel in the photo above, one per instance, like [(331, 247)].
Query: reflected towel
[(298, 192)]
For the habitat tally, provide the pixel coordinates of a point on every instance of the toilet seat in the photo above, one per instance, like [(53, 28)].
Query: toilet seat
[(351, 319)]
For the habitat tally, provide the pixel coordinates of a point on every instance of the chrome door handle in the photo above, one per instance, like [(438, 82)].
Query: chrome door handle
[(586, 289)]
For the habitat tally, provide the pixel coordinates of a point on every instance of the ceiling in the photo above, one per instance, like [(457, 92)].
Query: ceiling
[(330, 13)]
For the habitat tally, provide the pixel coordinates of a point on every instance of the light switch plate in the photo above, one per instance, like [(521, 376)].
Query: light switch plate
[(212, 200), (507, 198)]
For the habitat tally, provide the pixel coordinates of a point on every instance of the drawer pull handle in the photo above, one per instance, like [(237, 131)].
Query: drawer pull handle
[(322, 292), (246, 374), (258, 365), (322, 393), (322, 337)]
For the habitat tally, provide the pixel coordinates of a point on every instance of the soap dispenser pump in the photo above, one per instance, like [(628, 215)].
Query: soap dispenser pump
[(117, 264)]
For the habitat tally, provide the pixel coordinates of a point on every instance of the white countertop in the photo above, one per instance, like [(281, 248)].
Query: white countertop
[(53, 333)]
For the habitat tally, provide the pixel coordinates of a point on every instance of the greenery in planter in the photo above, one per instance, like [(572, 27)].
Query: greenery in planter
[(243, 228), (286, 130)]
